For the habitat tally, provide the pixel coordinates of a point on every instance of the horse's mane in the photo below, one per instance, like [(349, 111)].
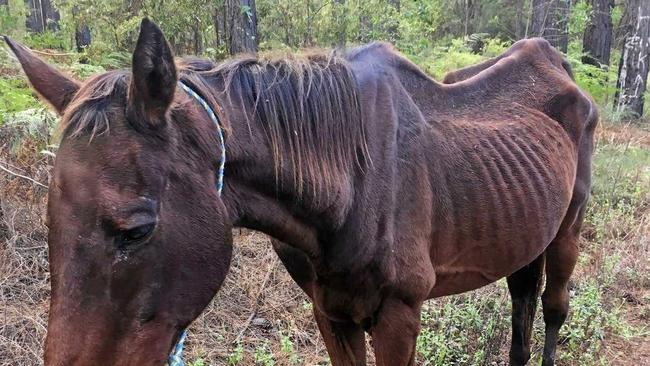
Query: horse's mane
[(307, 104)]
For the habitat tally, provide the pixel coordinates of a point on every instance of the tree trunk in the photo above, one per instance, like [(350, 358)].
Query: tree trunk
[(597, 41), (627, 23), (550, 19), (220, 28), (198, 40), (469, 12), (82, 37), (4, 2), (42, 16), (519, 20), (242, 26), (635, 62)]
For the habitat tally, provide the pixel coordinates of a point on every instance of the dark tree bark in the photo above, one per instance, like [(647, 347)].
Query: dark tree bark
[(242, 26), (220, 22), (42, 16), (597, 41), (469, 13), (198, 40), (635, 61), (82, 37), (626, 23), (550, 19), (4, 2)]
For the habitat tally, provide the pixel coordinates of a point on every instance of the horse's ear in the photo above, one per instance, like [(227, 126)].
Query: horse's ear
[(54, 87), (154, 75)]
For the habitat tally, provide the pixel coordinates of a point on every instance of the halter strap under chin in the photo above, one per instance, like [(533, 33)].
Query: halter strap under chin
[(176, 357)]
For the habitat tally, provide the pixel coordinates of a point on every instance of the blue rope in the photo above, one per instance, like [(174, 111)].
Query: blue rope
[(176, 357), (214, 119)]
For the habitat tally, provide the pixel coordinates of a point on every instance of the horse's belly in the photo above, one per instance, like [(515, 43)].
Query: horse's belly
[(503, 200), (484, 267)]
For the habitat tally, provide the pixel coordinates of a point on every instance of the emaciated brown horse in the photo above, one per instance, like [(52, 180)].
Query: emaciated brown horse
[(382, 187)]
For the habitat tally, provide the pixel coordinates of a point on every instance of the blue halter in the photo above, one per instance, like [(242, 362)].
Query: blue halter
[(215, 120), (176, 357)]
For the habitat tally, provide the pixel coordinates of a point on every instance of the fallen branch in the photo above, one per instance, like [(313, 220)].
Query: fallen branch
[(256, 303), (53, 53), (23, 176)]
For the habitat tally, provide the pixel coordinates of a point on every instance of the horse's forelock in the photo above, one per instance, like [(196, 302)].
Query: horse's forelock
[(89, 111)]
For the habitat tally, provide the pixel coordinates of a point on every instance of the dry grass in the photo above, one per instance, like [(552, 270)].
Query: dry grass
[(261, 307)]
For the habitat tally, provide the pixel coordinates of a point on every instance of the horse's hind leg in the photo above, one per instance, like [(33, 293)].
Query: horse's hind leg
[(524, 286)]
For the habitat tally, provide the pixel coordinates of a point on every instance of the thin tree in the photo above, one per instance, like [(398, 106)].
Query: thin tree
[(42, 16), (82, 36), (220, 23), (520, 26), (550, 19), (597, 41), (635, 61), (242, 26), (339, 22)]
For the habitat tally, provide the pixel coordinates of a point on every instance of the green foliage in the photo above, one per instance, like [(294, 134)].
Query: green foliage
[(578, 19), (464, 330), (286, 346), (236, 356), (620, 188), (12, 19), (198, 362), (46, 40), (16, 97), (439, 60), (263, 355)]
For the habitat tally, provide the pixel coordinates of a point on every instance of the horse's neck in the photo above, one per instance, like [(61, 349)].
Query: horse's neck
[(262, 197)]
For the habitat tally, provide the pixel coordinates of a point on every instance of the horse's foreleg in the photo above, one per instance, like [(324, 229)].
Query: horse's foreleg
[(524, 286), (395, 333), (345, 342)]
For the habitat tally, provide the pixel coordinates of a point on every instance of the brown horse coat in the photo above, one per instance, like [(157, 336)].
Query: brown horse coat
[(382, 187)]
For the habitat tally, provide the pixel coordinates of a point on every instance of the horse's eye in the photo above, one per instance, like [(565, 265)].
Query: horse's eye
[(136, 234)]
